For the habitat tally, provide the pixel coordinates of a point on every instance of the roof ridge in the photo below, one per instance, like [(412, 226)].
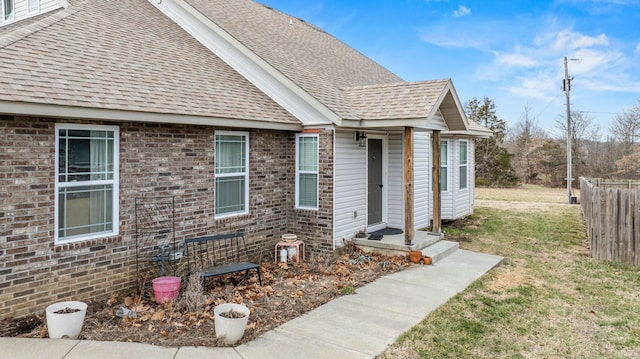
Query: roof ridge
[(394, 84), (27, 30)]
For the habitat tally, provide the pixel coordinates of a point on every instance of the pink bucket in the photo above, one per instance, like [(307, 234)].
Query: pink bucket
[(166, 288)]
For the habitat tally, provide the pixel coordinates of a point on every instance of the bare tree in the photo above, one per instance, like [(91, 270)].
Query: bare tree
[(524, 140), (626, 129), (582, 130)]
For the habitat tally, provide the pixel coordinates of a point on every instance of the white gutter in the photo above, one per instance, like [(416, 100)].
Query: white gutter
[(46, 110)]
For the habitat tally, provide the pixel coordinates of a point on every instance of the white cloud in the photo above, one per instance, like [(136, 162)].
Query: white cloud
[(567, 40), (515, 60), (462, 11), (638, 48)]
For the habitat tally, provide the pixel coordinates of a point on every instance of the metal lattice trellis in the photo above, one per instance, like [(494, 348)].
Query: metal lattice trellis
[(156, 251)]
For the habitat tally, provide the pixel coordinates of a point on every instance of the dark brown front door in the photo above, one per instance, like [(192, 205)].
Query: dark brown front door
[(374, 181)]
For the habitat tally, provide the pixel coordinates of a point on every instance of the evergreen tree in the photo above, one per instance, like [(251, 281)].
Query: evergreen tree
[(493, 161)]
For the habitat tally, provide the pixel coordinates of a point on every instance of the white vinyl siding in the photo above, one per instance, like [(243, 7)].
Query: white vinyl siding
[(86, 182), (307, 171), (395, 194), (457, 202), (350, 193), (422, 179), (447, 154), (461, 200), (231, 173), (23, 9)]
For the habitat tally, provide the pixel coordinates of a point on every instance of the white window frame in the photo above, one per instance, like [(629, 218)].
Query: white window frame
[(245, 174), (114, 182), (12, 15), (463, 166), (444, 163), (299, 172), (31, 3)]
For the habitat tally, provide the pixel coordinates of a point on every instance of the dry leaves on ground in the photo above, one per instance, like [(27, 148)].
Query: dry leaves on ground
[(288, 291)]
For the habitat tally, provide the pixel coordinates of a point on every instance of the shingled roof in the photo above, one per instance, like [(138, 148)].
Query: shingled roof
[(124, 55), (130, 60), (314, 60)]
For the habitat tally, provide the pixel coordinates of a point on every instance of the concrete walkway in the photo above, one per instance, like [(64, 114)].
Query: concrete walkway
[(353, 326)]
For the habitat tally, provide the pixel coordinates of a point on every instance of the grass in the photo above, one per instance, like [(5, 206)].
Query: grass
[(548, 299)]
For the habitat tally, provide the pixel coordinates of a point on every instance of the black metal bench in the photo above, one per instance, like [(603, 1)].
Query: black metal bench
[(211, 256)]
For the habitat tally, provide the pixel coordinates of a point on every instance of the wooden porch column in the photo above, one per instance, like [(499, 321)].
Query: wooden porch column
[(408, 185), (435, 180)]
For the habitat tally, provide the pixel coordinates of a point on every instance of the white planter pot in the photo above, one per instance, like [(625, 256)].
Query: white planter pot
[(65, 325), (232, 329)]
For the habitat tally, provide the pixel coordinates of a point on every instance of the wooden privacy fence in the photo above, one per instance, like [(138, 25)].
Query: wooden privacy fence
[(611, 209)]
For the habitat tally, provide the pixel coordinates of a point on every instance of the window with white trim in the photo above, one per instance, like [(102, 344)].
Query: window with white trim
[(33, 6), (444, 166), (307, 171), (8, 10), (464, 166), (86, 182), (231, 173)]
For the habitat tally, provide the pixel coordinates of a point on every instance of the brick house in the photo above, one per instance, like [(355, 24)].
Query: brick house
[(247, 118)]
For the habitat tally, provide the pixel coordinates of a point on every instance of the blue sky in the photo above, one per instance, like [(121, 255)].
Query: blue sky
[(509, 51)]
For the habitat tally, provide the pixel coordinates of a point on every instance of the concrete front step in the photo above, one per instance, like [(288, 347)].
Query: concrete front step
[(440, 250), (393, 245), (431, 245)]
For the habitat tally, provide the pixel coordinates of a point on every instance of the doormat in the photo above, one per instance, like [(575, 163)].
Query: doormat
[(389, 231)]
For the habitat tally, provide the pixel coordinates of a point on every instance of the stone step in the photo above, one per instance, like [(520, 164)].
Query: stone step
[(440, 250)]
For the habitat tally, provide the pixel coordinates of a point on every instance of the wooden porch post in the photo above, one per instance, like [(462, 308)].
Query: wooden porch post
[(435, 180), (408, 185)]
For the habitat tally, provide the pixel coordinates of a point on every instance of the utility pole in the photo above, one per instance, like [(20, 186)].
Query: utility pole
[(567, 88)]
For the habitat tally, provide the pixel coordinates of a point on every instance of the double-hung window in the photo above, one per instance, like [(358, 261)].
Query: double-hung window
[(464, 166), (444, 166), (86, 182), (231, 173), (8, 10), (33, 6), (307, 171)]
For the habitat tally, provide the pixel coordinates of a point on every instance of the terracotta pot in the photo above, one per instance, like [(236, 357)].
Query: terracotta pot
[(426, 260), (414, 256)]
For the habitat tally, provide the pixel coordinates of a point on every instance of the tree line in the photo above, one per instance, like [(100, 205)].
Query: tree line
[(526, 153)]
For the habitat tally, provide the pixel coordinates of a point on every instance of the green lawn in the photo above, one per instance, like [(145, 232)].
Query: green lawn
[(548, 299)]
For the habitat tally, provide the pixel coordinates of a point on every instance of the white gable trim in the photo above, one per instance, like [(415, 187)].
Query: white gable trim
[(437, 122), (257, 71)]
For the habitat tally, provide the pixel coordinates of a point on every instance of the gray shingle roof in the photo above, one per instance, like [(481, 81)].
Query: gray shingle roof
[(395, 101), (313, 59), (124, 55)]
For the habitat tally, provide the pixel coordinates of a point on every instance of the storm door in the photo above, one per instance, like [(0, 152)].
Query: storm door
[(375, 185)]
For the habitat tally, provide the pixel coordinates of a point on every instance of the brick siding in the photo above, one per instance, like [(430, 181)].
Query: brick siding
[(155, 160)]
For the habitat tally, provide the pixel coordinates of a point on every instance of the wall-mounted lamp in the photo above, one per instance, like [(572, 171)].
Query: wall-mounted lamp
[(361, 138)]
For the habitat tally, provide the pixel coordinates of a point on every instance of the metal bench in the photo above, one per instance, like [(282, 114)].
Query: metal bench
[(216, 255)]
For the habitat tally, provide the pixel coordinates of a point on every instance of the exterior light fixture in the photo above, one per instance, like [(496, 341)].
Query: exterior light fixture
[(361, 138)]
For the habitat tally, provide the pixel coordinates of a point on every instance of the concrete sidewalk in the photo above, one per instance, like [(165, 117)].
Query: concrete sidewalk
[(353, 326)]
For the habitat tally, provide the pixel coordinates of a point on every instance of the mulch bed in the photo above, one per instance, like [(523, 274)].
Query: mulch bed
[(288, 291)]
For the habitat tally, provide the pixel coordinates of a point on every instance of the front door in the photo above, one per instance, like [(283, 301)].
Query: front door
[(374, 150)]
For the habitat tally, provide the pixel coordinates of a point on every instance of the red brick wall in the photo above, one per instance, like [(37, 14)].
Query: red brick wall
[(155, 160)]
